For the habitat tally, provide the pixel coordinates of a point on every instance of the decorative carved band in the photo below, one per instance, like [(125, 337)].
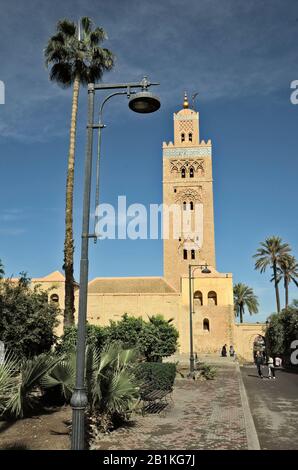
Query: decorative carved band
[(196, 165), (188, 152), (191, 117), (190, 194)]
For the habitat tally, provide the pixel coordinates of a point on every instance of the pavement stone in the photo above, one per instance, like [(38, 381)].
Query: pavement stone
[(203, 415)]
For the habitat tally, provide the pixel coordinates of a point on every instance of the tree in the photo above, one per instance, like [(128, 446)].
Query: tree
[(75, 58), (96, 336), (154, 339), (282, 329), (158, 338), (270, 254), (244, 297), (27, 319), (127, 330), (288, 271)]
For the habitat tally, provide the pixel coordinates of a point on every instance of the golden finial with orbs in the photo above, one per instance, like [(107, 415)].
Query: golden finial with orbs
[(185, 102)]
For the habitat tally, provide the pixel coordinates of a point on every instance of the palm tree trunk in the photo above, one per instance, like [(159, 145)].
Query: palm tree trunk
[(286, 293), (69, 242), (276, 288), (241, 314)]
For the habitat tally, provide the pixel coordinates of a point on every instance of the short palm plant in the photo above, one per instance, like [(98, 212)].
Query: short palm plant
[(270, 254), (111, 385), (20, 384), (244, 297)]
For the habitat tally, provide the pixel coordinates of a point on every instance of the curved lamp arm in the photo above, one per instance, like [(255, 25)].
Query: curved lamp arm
[(102, 126)]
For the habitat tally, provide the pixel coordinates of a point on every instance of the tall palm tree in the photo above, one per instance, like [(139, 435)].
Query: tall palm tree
[(74, 57), (244, 297), (287, 270), (270, 254)]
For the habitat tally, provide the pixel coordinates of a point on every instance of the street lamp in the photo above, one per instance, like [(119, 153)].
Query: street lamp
[(191, 269), (142, 102)]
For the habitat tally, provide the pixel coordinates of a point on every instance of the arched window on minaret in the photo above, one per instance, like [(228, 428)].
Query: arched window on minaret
[(206, 324), (191, 205), (184, 206), (183, 173), (190, 137), (193, 254), (212, 298), (191, 172), (182, 137), (198, 297), (184, 254)]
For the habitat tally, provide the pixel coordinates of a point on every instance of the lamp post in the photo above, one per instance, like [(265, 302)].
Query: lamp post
[(191, 269), (141, 102)]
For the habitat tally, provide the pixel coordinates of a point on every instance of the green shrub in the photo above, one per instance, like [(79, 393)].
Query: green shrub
[(158, 338), (282, 329), (207, 372), (96, 337), (27, 319), (155, 339), (127, 330), (161, 374)]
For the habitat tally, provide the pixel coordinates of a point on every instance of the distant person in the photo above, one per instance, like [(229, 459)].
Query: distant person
[(232, 351), (259, 363), (278, 362), (224, 351), (271, 371)]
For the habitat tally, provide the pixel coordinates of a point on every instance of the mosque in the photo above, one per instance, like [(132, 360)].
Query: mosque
[(188, 183)]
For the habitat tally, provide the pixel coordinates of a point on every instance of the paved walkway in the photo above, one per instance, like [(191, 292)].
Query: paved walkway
[(204, 415), (274, 407)]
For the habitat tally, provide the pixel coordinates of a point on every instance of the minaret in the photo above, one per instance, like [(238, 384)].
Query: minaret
[(187, 182)]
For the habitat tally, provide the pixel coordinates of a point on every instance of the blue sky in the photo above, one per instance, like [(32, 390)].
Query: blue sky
[(239, 56)]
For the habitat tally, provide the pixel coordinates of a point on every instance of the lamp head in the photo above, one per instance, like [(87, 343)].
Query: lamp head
[(144, 102), (206, 270)]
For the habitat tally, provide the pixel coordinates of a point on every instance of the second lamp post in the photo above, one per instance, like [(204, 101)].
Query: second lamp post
[(191, 269)]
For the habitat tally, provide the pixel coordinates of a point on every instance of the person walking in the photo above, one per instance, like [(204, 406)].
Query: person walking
[(224, 351), (232, 351), (271, 371), (259, 363)]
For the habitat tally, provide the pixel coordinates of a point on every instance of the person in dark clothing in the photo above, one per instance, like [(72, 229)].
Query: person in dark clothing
[(259, 362), (224, 351)]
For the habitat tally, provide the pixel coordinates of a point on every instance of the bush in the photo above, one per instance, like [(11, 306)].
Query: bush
[(96, 337), (155, 339), (207, 372), (281, 331), (127, 330), (27, 319), (158, 339), (161, 374)]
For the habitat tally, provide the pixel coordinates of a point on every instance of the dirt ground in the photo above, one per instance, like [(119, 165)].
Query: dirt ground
[(48, 431)]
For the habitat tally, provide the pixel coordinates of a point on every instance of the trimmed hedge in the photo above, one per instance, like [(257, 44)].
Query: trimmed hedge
[(162, 374)]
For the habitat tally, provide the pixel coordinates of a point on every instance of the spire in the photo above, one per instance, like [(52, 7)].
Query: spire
[(185, 102)]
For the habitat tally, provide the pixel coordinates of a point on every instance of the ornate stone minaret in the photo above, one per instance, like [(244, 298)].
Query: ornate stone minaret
[(187, 181)]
